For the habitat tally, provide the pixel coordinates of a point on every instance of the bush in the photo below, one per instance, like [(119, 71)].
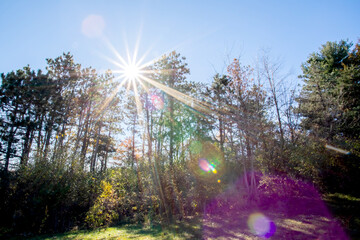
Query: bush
[(103, 212)]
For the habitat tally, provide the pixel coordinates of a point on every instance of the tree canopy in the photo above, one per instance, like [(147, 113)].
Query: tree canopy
[(79, 147)]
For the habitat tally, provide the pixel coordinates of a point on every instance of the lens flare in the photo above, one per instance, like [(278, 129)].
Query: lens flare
[(260, 225), (337, 149), (207, 161), (204, 165), (93, 26), (157, 101)]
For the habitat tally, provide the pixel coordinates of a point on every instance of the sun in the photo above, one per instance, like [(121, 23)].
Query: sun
[(132, 72)]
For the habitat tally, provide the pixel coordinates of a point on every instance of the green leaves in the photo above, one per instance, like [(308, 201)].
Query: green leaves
[(327, 90)]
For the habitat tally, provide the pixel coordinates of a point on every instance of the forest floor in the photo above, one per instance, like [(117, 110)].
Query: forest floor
[(305, 219)]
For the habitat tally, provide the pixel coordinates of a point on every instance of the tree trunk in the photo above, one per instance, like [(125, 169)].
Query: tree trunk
[(27, 144), (95, 151), (85, 139), (156, 178), (47, 142), (9, 148)]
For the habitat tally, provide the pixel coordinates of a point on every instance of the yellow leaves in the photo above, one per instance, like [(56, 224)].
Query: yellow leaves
[(60, 135), (107, 189), (103, 212)]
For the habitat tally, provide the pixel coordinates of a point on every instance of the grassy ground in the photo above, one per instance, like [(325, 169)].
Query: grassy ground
[(233, 224), (346, 209), (121, 232)]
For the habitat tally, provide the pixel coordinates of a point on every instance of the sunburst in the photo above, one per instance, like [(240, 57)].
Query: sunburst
[(134, 74)]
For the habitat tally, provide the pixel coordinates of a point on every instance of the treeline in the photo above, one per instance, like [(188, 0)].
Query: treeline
[(78, 148)]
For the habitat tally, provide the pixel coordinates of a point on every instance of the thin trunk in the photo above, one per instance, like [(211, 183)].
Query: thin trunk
[(133, 142), (156, 177), (160, 137), (171, 154), (9, 146), (85, 139), (39, 139), (270, 77), (246, 182), (26, 146), (107, 151), (47, 142), (221, 129), (95, 151), (11, 138), (78, 134), (63, 127), (171, 106)]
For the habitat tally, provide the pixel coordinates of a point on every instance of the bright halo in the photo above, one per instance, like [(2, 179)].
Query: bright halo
[(132, 72)]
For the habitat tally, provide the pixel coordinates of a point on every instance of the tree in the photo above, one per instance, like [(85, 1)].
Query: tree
[(172, 71), (320, 101), (13, 111), (349, 93), (218, 94), (329, 106), (271, 72), (246, 103)]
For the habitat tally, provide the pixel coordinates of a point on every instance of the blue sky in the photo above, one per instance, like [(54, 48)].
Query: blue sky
[(207, 33)]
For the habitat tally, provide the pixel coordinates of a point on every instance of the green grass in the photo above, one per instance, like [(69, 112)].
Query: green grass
[(123, 232), (343, 197), (347, 209), (129, 231)]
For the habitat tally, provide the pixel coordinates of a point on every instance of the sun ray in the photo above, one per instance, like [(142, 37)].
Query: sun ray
[(190, 101), (134, 72), (117, 54), (128, 86), (128, 55), (137, 44), (143, 85), (152, 61), (138, 103), (110, 98), (119, 64), (142, 58), (117, 71)]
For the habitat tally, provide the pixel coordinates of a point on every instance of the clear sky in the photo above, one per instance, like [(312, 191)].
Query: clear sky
[(207, 33)]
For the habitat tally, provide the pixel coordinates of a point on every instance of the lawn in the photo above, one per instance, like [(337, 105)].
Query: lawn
[(121, 232), (315, 222)]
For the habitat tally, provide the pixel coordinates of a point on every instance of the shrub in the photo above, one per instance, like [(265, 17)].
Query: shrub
[(103, 212)]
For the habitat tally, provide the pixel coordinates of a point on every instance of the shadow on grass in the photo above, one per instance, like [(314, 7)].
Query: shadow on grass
[(189, 228), (154, 231), (300, 218), (305, 217), (347, 209)]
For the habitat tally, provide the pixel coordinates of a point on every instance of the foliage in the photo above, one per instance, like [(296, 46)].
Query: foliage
[(103, 212), (330, 111), (45, 198), (76, 148), (327, 99)]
